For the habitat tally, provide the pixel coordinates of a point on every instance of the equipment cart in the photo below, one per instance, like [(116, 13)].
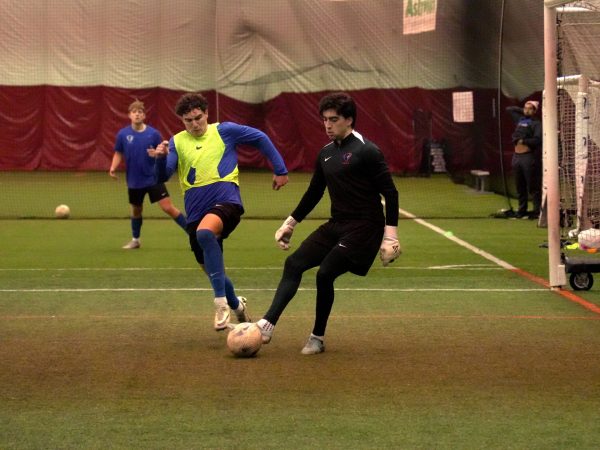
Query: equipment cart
[(581, 269)]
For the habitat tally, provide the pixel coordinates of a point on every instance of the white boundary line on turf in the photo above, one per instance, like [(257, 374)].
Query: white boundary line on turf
[(142, 269), (459, 241), (497, 262), (436, 229), (273, 289)]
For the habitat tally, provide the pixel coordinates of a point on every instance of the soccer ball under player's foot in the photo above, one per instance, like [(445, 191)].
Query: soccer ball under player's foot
[(244, 340)]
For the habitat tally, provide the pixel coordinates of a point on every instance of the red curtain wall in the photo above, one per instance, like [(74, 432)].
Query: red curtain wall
[(57, 128)]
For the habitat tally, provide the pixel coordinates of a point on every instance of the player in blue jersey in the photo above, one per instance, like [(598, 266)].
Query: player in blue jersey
[(205, 158), (354, 172), (132, 144)]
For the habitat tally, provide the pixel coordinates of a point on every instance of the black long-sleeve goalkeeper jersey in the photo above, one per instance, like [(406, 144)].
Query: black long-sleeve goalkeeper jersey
[(356, 176)]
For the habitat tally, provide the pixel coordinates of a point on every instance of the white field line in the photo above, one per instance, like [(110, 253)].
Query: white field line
[(498, 264), (459, 241), (496, 261), (143, 269)]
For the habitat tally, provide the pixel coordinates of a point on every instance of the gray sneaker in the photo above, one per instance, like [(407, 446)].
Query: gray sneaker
[(134, 243), (241, 314), (313, 346)]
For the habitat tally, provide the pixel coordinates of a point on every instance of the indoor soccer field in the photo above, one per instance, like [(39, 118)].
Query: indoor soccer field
[(474, 338), (445, 348)]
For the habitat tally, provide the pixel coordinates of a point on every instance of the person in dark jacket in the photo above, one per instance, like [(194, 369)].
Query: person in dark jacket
[(527, 159)]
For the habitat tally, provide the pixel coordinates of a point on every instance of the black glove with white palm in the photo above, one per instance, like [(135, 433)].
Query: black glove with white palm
[(390, 246), (284, 233)]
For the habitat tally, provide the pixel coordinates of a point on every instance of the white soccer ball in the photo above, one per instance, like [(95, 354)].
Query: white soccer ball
[(244, 340), (62, 212), (589, 239)]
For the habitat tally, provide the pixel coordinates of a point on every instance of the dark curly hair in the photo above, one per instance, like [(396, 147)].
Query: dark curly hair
[(190, 101), (342, 103)]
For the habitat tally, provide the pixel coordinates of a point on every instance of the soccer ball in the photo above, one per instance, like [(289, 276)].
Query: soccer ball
[(244, 340), (62, 212), (589, 239)]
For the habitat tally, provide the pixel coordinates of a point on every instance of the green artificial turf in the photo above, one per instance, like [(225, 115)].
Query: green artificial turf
[(107, 348)]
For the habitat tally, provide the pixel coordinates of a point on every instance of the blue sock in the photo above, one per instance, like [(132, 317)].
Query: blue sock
[(180, 220), (232, 299), (136, 227), (213, 260)]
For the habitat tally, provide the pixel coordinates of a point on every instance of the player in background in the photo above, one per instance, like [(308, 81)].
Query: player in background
[(205, 158), (356, 175), (132, 143)]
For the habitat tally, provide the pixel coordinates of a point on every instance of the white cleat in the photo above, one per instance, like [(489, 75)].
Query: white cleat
[(133, 244), (313, 346), (241, 313), (222, 316)]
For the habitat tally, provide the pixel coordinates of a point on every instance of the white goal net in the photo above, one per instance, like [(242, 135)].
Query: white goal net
[(578, 66), (571, 126), (579, 154)]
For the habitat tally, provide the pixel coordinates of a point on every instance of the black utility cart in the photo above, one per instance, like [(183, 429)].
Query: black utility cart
[(581, 269)]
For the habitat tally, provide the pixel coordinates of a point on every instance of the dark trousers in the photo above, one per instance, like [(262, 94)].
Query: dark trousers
[(332, 263), (527, 170)]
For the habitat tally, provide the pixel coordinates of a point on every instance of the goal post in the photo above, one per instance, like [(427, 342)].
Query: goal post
[(556, 275), (571, 127)]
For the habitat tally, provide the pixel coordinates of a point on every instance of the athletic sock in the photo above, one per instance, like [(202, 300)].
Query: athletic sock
[(180, 220), (265, 325), (136, 227), (232, 299), (213, 260)]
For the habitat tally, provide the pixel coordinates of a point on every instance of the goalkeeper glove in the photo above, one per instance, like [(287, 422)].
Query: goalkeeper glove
[(284, 233), (390, 246)]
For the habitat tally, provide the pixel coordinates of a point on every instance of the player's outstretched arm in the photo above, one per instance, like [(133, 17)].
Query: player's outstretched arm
[(243, 134)]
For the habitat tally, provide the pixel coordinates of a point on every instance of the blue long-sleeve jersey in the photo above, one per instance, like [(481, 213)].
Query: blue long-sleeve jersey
[(207, 164)]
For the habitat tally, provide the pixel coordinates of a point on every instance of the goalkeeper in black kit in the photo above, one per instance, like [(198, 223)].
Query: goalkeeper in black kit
[(356, 175)]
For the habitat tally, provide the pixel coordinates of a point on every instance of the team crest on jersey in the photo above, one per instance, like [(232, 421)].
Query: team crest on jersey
[(129, 138), (346, 158)]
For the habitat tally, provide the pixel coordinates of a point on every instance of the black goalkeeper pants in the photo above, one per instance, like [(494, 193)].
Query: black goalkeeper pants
[(332, 263)]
